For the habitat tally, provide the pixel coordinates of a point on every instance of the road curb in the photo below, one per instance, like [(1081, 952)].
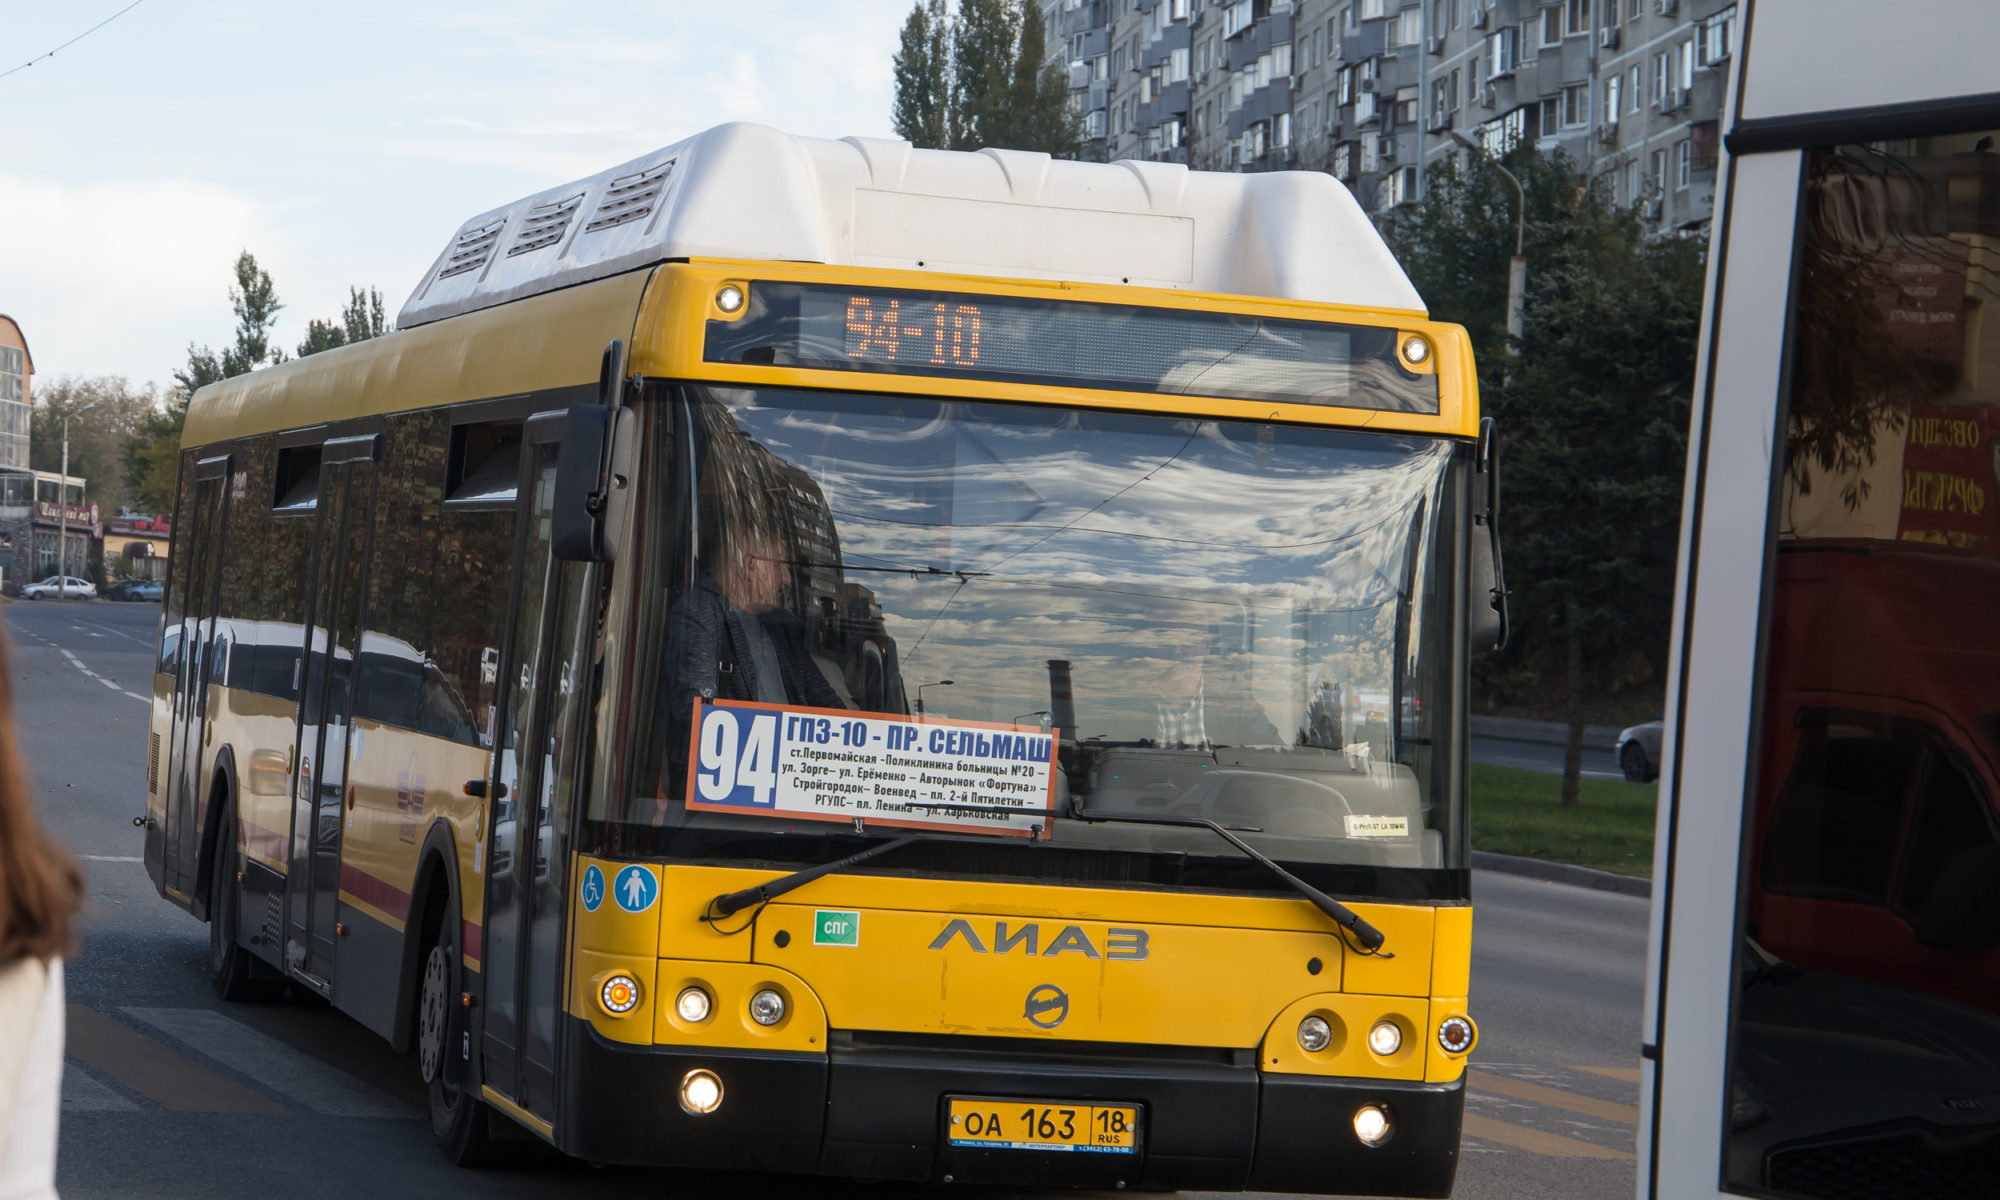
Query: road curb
[(1555, 872)]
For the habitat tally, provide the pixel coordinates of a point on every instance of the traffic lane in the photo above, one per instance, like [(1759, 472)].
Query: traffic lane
[(1599, 762)]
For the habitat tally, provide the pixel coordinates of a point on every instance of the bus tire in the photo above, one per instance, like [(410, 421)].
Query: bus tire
[(459, 1121), (232, 969)]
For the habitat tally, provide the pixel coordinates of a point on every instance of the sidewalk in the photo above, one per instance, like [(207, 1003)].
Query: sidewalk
[(1548, 733)]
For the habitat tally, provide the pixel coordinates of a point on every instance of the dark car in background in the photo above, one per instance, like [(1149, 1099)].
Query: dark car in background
[(134, 589)]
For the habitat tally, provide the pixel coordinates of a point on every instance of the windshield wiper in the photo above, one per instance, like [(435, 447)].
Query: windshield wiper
[(729, 903), (1370, 937)]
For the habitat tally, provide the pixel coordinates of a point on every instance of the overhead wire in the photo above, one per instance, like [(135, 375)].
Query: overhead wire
[(73, 41)]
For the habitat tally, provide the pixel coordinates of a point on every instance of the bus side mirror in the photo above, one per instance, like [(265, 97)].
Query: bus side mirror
[(593, 490), (1488, 583)]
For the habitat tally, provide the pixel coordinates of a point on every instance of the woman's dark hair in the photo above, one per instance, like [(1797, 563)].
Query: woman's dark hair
[(40, 886)]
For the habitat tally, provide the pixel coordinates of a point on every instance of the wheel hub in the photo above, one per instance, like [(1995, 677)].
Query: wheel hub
[(431, 1012)]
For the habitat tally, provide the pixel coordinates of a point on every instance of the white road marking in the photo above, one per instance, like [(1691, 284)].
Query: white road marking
[(270, 1062), (76, 662), (82, 1093)]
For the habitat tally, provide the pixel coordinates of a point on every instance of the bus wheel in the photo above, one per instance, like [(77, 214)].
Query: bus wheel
[(458, 1120), (232, 970)]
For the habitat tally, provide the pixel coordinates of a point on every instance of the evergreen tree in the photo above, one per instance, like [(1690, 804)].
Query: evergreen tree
[(979, 77), (153, 454), (922, 95), (1039, 102), (982, 68), (1592, 413), (363, 318)]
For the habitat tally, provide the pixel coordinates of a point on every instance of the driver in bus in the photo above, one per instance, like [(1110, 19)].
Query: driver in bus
[(731, 638)]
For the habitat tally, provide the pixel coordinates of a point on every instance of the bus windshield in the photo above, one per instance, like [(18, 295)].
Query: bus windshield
[(1241, 622)]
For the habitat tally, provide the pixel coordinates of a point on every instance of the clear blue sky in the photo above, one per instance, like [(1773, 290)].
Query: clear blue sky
[(344, 143)]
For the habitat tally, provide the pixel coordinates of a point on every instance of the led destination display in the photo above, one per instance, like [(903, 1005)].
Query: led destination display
[(1069, 343)]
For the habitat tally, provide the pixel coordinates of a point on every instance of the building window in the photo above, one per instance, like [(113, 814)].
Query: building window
[(1576, 18), (1663, 74), (1611, 87), (1687, 65), (1343, 162), (1281, 60), (1406, 106), (1344, 85), (1658, 176), (1177, 66), (1548, 116), (1718, 34), (1282, 131), (1633, 9), (1409, 29), (1683, 165), (1576, 105), (1503, 52), (1632, 85), (1552, 25), (1631, 182), (1374, 9)]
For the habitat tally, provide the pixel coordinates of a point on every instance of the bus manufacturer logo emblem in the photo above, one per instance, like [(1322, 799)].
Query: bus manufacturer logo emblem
[(1047, 1006)]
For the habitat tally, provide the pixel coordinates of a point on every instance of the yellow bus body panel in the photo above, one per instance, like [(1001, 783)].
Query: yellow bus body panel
[(925, 957)]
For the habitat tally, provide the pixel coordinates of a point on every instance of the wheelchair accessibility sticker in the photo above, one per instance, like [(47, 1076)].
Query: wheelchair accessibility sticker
[(592, 890)]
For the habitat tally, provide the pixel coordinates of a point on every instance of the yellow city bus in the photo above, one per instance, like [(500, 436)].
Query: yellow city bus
[(828, 657)]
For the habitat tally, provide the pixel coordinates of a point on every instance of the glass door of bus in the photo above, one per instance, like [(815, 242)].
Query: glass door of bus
[(193, 614), (532, 785), (320, 795)]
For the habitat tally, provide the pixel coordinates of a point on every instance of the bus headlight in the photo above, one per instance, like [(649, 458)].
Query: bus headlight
[(767, 1007), (693, 1005), (619, 995), (1371, 1125), (1385, 1038), (1456, 1035), (1315, 1034), (701, 1092)]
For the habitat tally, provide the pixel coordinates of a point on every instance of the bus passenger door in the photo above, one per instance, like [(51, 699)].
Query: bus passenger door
[(535, 760), (320, 797), (194, 592)]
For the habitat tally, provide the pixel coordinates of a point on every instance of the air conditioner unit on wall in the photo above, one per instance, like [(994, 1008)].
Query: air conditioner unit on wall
[(1386, 148), (1489, 96), (1437, 45), (1653, 208), (1368, 85), (1480, 17), (1666, 8), (1608, 39)]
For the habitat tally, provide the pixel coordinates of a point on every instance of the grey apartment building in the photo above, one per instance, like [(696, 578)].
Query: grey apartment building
[(1371, 90)]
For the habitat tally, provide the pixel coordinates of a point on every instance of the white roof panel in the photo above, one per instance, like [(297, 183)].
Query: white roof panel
[(750, 192)]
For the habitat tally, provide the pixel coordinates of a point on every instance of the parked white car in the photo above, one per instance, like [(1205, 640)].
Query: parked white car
[(1639, 751), (53, 586)]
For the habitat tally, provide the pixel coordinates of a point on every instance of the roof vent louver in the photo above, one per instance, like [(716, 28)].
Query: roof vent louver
[(544, 224), (630, 197), (471, 249)]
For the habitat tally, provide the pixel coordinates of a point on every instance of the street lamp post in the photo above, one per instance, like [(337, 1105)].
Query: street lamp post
[(1517, 267), (62, 514), (920, 692), (1043, 713)]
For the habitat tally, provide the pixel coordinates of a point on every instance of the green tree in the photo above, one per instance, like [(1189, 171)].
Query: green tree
[(978, 77), (153, 453), (1592, 412), (363, 318), (104, 414), (1039, 103), (923, 99)]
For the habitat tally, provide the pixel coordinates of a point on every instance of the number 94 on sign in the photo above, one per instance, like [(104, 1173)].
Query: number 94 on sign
[(736, 757)]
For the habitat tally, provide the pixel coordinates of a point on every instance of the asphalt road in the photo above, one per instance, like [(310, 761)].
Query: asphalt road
[(169, 1093), (1599, 762)]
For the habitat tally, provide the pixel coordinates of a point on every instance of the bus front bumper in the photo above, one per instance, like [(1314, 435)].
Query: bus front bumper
[(876, 1112)]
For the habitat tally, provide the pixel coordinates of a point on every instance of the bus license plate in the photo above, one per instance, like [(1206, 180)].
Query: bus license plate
[(1015, 1124)]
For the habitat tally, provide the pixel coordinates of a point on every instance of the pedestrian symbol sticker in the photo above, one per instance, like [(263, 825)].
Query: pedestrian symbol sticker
[(635, 889), (836, 928), (592, 891)]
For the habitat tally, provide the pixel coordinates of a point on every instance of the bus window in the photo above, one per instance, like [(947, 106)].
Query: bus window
[(1238, 622), (1866, 1018)]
